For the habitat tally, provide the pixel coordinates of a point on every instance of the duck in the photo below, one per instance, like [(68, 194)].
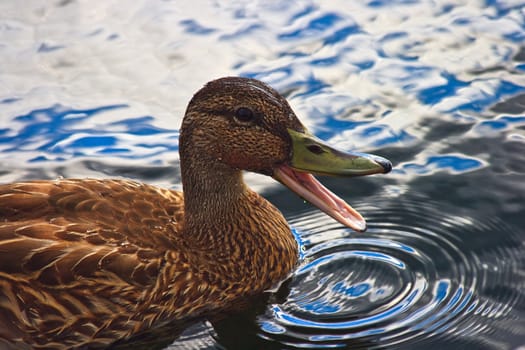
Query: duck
[(85, 263)]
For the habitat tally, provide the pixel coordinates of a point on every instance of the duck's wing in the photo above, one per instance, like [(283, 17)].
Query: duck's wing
[(125, 211), (75, 251)]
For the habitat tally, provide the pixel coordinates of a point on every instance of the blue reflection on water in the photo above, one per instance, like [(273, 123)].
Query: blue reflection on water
[(453, 162), (352, 254), (342, 34), (139, 126), (272, 327), (380, 257), (314, 263), (301, 243), (367, 320), (241, 32), (320, 306), (504, 88), (447, 311), (368, 242), (393, 138), (52, 131), (51, 125), (437, 93), (49, 48), (495, 126), (386, 3), (193, 27), (94, 141), (356, 290), (314, 27)]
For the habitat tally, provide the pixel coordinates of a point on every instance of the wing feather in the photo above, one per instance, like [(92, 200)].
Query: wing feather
[(77, 255)]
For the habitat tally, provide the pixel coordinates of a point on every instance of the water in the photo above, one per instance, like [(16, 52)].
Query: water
[(98, 89)]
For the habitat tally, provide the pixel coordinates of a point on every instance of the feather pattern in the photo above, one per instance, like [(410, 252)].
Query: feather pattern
[(85, 263), (82, 251)]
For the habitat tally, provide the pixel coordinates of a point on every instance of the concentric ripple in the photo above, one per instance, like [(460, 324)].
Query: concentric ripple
[(418, 273)]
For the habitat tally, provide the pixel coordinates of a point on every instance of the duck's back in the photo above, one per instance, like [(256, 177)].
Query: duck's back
[(78, 253)]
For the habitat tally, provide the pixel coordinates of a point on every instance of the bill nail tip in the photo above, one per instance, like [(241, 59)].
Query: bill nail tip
[(361, 229)]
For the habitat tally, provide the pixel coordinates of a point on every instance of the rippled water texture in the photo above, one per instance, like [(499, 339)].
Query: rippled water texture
[(98, 89)]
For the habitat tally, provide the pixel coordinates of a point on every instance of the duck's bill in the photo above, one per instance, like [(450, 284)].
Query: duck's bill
[(312, 156), (309, 154)]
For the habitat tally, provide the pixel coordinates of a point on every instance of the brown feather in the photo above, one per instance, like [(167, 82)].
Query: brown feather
[(86, 262)]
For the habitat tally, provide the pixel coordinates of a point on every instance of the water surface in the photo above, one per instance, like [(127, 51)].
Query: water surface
[(98, 89)]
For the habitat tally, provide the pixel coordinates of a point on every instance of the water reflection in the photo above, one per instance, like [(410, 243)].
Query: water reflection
[(56, 134), (98, 90), (413, 278)]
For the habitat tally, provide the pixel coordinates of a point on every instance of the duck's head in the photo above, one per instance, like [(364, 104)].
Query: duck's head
[(243, 124)]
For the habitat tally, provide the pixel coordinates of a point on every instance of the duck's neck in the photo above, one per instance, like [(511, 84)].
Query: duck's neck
[(211, 191), (237, 231)]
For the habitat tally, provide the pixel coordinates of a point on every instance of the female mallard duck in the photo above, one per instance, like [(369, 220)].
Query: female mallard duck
[(84, 263)]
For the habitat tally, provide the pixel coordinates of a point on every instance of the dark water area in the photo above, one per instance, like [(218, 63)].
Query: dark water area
[(436, 87)]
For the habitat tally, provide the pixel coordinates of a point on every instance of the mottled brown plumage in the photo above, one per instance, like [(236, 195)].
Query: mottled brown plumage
[(86, 262)]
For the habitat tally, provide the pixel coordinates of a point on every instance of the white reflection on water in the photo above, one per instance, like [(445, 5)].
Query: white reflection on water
[(399, 62)]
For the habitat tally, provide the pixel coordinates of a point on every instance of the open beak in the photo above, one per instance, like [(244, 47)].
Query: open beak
[(312, 156)]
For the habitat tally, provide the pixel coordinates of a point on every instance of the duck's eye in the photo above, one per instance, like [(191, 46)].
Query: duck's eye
[(244, 115)]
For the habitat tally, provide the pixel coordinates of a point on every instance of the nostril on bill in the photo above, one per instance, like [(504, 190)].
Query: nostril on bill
[(315, 149)]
